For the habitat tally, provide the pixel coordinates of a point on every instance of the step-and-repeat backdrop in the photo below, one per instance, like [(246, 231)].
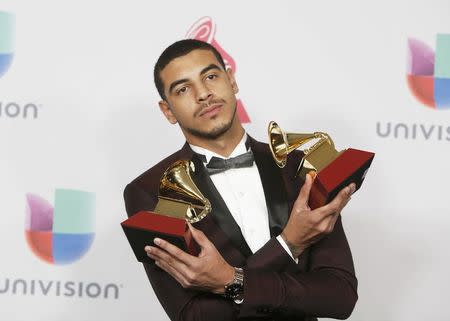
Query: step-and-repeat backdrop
[(79, 119)]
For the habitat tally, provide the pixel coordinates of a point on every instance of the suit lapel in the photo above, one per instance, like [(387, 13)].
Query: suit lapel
[(273, 185), (274, 192), (220, 212)]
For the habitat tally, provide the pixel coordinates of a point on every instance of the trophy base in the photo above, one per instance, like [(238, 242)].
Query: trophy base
[(349, 167), (144, 226)]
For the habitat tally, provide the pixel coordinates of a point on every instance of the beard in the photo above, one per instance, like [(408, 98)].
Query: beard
[(214, 133)]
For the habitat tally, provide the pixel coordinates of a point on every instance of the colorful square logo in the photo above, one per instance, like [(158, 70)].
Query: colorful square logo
[(64, 233), (428, 73)]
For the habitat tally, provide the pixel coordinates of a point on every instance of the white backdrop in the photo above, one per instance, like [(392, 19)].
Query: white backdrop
[(338, 67)]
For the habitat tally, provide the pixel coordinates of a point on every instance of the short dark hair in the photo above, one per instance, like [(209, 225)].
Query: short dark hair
[(178, 49)]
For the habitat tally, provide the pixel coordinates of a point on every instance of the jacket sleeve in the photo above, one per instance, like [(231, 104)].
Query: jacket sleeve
[(326, 287), (274, 285), (179, 303)]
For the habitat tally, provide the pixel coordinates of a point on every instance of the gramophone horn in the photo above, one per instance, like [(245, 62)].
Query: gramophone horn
[(177, 183), (315, 157), (281, 143)]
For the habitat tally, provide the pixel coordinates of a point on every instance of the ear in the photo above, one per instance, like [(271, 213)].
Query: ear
[(165, 109), (234, 85)]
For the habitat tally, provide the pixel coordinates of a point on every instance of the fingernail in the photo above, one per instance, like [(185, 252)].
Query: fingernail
[(348, 190), (157, 241), (148, 248), (313, 174)]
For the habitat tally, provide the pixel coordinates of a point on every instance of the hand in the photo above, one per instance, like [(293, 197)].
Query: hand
[(207, 272), (306, 226)]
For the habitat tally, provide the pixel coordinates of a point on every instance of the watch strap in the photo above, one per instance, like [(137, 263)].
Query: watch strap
[(235, 289)]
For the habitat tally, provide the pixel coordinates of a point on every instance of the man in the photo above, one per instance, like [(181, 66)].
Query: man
[(264, 253)]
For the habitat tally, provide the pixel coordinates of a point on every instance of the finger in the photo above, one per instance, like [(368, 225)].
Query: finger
[(335, 205), (174, 251), (199, 236), (163, 258), (352, 187), (177, 275), (327, 225), (159, 254), (333, 221), (343, 205), (184, 274), (150, 255), (303, 196)]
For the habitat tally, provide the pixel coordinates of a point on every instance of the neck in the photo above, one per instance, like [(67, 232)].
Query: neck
[(223, 145)]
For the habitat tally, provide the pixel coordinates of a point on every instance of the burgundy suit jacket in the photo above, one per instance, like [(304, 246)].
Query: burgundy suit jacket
[(322, 284)]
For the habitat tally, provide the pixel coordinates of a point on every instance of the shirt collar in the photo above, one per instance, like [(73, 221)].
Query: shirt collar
[(238, 150)]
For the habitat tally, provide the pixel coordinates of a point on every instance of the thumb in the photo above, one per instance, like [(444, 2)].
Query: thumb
[(199, 236)]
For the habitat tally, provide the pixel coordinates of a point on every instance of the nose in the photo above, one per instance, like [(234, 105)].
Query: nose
[(203, 93)]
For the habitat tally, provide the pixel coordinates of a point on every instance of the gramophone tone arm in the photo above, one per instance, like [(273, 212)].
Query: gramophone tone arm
[(323, 138)]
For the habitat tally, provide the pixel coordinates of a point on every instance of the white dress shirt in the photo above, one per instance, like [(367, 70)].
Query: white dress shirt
[(242, 192)]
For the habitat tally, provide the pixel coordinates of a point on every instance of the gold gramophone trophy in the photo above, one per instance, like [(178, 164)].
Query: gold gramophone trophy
[(179, 201), (334, 170)]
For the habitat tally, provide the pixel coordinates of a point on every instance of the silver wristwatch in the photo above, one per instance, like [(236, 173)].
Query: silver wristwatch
[(235, 289)]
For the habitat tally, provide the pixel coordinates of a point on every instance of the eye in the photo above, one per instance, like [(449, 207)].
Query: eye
[(181, 90), (211, 76)]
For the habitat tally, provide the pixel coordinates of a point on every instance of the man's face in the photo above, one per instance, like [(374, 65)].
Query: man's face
[(200, 95)]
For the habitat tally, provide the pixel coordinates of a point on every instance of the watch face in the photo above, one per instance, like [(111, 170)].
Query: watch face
[(233, 290)]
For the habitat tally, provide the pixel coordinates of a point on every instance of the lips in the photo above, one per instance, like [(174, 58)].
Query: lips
[(210, 111)]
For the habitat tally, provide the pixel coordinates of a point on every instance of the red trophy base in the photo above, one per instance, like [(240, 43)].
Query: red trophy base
[(144, 226), (350, 167)]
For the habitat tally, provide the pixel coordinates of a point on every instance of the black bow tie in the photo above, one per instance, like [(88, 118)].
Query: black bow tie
[(219, 165)]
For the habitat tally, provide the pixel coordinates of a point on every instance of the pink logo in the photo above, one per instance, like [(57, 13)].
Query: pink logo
[(204, 29)]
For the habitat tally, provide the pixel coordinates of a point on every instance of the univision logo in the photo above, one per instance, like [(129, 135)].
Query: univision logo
[(59, 288), (6, 41), (428, 73), (64, 233)]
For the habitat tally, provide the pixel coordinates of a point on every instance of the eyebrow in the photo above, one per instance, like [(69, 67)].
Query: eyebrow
[(211, 66), (176, 83), (204, 71)]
